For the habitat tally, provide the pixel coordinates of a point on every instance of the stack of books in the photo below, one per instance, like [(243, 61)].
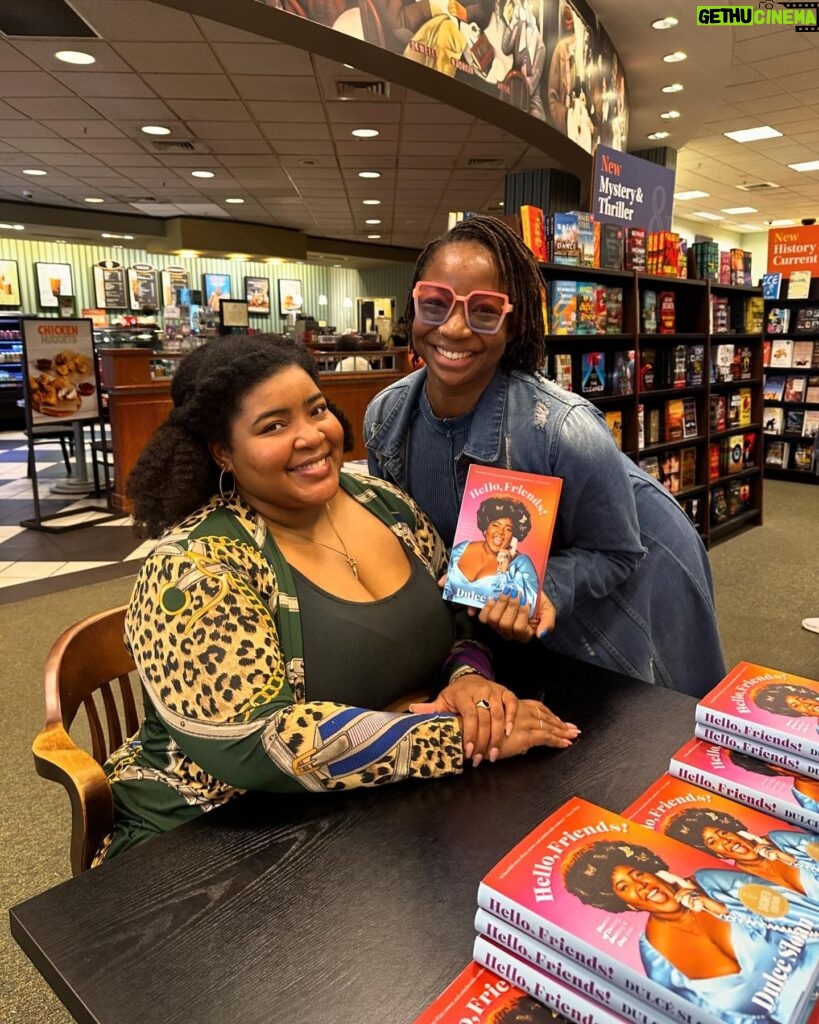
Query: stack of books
[(698, 905)]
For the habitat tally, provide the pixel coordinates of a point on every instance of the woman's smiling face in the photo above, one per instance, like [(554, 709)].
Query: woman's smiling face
[(460, 363)]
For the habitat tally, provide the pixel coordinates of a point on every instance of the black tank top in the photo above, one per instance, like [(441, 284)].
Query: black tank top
[(369, 654)]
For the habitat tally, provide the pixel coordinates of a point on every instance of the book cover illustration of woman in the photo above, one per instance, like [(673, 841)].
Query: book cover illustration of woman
[(483, 569), (701, 940)]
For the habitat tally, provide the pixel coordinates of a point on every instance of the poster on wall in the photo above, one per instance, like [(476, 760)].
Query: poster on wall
[(215, 287), (233, 313), (290, 300), (53, 280), (174, 279), (257, 296), (9, 285), (552, 59), (631, 192), (110, 291), (142, 286), (60, 379)]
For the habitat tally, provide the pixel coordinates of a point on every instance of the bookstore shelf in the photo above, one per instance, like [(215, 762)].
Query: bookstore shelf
[(675, 366), (790, 389)]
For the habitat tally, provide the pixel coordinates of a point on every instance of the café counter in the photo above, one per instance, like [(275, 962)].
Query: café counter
[(139, 400)]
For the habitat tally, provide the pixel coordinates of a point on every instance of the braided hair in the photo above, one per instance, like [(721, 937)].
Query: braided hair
[(175, 473), (526, 348)]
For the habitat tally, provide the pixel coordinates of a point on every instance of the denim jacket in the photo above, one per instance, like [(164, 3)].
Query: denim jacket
[(628, 573)]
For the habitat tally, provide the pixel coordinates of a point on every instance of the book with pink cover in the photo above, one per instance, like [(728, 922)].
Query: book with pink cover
[(478, 995), (762, 751), (503, 536), (742, 836), (765, 704), (759, 784), (671, 925)]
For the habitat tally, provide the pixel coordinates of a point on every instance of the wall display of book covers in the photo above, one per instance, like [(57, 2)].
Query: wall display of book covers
[(142, 287), (257, 296), (9, 285), (110, 289), (54, 281), (290, 300), (215, 288)]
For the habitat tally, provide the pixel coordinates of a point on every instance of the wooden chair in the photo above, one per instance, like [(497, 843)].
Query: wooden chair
[(79, 671)]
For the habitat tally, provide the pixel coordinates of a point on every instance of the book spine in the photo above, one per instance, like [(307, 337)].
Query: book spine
[(746, 795), (549, 991), (769, 735), (555, 966), (763, 751), (556, 937)]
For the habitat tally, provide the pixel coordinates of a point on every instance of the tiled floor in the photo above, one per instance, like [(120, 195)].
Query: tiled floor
[(101, 550)]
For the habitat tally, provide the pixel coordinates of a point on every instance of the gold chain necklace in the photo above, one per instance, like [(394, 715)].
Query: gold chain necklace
[(345, 554)]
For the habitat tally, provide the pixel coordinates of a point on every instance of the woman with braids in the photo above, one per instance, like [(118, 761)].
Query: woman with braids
[(700, 938), (284, 599), (628, 585), (485, 567)]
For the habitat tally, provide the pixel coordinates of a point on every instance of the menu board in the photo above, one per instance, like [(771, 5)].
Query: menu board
[(142, 286), (109, 285), (173, 280), (61, 378)]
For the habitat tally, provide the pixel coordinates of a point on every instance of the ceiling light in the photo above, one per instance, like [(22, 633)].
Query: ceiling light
[(779, 223), (664, 23), (740, 209), (35, 172), (202, 174), (693, 194), (350, 66), (75, 57), (93, 199), (237, 256), (12, 227), (676, 57), (753, 134), (365, 133), (155, 129), (371, 202), (337, 266), (706, 216), (373, 236), (658, 135), (808, 165), (234, 201), (670, 115), (674, 87), (369, 174), (373, 220), (188, 254), (109, 234)]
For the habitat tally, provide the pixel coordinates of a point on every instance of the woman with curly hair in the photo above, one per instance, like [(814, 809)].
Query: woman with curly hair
[(789, 699), (628, 585), (282, 601), (488, 567), (700, 939)]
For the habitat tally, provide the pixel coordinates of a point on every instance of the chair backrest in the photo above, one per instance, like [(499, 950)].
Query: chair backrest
[(81, 669)]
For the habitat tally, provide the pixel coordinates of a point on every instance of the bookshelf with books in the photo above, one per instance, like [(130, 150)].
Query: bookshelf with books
[(790, 391), (651, 352)]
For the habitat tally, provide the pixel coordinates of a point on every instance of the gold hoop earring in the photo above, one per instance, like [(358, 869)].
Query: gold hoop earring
[(222, 495)]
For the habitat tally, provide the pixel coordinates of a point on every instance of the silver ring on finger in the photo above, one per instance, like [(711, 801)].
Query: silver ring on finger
[(484, 704)]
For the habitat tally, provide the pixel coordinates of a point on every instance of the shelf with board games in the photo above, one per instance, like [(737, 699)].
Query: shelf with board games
[(675, 366), (790, 390)]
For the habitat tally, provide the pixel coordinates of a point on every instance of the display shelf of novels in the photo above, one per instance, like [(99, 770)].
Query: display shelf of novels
[(790, 389)]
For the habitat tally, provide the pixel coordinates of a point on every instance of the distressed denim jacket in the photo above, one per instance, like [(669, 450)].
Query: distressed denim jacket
[(628, 573)]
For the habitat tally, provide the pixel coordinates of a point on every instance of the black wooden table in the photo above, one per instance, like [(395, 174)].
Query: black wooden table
[(349, 908)]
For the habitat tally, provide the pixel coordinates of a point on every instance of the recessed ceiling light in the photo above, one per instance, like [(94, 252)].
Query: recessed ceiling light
[(365, 133), (740, 209), (779, 223), (35, 172), (674, 87), (12, 227), (238, 256), (807, 165), (373, 236), (658, 135), (676, 57), (753, 134), (664, 23), (109, 234), (371, 202), (202, 174), (188, 254), (706, 216), (369, 174), (234, 201), (155, 129), (373, 220), (350, 66), (93, 199), (694, 193), (75, 57), (670, 115)]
